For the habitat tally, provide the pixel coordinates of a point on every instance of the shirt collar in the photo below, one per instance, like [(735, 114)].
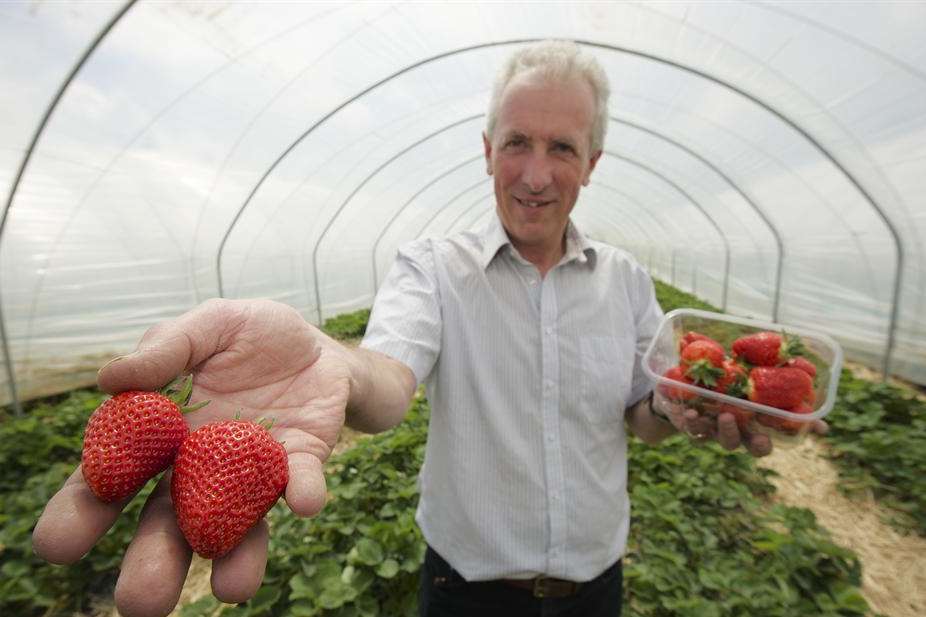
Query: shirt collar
[(495, 238)]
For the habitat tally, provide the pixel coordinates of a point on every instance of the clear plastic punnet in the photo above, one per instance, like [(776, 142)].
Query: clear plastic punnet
[(784, 426)]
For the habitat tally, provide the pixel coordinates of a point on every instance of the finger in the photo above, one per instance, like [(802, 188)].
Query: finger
[(820, 427), (72, 522), (306, 491), (173, 347), (701, 427), (728, 434), (237, 576), (156, 562), (759, 445), (676, 414)]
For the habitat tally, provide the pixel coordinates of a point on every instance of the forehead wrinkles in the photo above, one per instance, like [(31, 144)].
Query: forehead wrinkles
[(535, 106)]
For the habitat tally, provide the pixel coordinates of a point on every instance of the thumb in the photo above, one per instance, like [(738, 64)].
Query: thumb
[(173, 347)]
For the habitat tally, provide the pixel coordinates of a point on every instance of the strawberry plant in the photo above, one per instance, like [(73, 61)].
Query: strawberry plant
[(704, 542), (671, 298), (49, 432), (877, 439), (30, 586), (347, 325)]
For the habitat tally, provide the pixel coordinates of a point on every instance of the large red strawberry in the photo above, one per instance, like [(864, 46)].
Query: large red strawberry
[(779, 386), (766, 348), (703, 361), (690, 337), (677, 373), (786, 425), (226, 477), (132, 437)]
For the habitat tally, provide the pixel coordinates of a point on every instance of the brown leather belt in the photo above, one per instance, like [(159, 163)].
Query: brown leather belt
[(545, 586)]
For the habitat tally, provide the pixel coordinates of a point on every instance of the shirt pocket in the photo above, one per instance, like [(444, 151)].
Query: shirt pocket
[(607, 365)]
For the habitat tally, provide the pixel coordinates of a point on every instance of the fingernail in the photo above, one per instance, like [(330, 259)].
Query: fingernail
[(111, 362)]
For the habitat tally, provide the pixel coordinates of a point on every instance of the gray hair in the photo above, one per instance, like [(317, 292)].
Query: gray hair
[(560, 61)]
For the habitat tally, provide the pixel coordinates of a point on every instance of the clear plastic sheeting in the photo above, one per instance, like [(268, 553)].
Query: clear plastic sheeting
[(768, 157)]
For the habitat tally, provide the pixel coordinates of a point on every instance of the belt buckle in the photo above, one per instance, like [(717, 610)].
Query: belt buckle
[(540, 587)]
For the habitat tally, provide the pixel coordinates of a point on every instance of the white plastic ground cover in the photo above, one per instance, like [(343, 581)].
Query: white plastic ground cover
[(769, 157)]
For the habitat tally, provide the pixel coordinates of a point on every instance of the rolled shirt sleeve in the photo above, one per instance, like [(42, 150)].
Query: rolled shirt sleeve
[(405, 322)]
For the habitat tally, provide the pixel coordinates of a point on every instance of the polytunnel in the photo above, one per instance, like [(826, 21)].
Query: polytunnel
[(769, 158)]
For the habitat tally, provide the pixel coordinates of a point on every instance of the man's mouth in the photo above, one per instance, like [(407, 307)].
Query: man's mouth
[(532, 203)]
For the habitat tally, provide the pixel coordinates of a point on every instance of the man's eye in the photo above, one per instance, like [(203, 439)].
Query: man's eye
[(562, 147), (515, 141)]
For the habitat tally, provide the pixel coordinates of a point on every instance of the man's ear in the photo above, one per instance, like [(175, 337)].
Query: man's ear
[(591, 167), (487, 146)]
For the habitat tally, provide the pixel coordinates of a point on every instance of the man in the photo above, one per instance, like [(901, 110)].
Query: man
[(528, 337)]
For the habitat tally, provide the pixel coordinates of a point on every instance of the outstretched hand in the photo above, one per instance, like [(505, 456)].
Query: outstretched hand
[(258, 359)]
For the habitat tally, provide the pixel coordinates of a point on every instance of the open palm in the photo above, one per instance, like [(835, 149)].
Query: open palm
[(251, 359)]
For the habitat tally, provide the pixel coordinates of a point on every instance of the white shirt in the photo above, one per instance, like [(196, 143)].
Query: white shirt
[(525, 469)]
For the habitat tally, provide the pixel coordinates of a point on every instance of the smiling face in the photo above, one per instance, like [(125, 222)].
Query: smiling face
[(540, 156)]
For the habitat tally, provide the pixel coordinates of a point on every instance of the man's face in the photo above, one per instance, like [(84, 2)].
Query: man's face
[(540, 156)]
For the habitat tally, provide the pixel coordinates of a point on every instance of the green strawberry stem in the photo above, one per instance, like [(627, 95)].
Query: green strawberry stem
[(703, 372), (265, 423), (179, 391), (737, 388), (791, 345)]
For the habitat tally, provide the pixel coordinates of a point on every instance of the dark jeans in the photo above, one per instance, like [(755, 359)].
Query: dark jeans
[(444, 593)]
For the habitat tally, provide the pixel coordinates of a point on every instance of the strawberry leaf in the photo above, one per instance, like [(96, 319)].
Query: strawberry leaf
[(704, 373)]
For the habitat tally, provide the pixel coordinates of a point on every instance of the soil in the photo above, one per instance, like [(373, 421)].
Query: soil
[(893, 565)]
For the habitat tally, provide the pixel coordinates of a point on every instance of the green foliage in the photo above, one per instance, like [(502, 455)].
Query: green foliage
[(47, 434), (670, 298), (38, 452), (878, 441), (704, 543), (30, 586), (347, 325)]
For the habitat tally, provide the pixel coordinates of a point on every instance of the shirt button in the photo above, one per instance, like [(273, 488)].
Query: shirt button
[(549, 330), (550, 438)]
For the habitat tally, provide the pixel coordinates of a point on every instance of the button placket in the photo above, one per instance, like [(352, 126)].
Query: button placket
[(553, 459)]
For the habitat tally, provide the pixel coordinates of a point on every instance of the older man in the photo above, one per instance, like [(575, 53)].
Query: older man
[(528, 337)]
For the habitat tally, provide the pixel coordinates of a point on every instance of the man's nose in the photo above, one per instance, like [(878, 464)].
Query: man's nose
[(538, 173)]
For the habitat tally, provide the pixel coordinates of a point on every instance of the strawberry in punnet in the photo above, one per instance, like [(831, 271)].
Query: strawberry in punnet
[(226, 477), (779, 386), (767, 348), (703, 362), (677, 373), (133, 437), (733, 380), (804, 364), (690, 337), (786, 425)]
